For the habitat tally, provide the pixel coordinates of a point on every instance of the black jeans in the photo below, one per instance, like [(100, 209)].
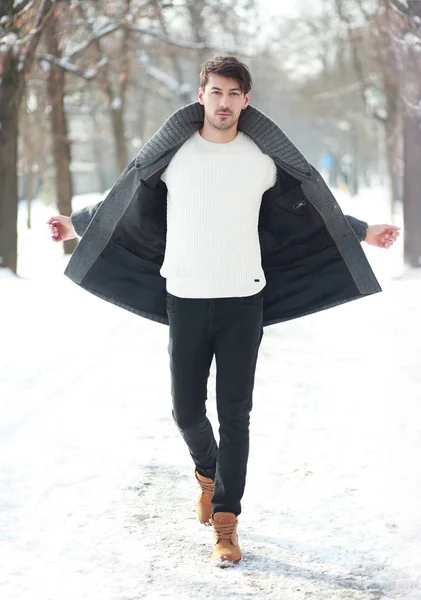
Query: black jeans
[(231, 329)]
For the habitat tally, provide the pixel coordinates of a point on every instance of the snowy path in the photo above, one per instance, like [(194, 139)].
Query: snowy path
[(97, 490)]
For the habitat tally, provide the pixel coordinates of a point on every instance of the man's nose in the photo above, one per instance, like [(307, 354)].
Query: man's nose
[(224, 101)]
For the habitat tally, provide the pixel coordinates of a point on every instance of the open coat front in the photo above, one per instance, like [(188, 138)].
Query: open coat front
[(311, 252)]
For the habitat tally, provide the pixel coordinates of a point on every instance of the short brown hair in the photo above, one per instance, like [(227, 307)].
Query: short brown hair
[(227, 66)]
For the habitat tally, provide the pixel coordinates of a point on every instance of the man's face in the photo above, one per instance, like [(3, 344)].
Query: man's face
[(223, 101)]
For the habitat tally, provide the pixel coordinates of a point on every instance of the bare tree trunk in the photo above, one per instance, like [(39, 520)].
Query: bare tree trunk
[(393, 159), (15, 66), (199, 30), (118, 105), (119, 136), (116, 102), (116, 108), (383, 22), (61, 142), (411, 99), (97, 148), (29, 195), (390, 75), (411, 189), (10, 98)]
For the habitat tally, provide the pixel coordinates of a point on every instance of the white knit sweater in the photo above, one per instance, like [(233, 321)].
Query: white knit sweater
[(214, 197)]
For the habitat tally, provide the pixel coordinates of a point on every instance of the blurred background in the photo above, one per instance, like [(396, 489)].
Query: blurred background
[(84, 84), (95, 498)]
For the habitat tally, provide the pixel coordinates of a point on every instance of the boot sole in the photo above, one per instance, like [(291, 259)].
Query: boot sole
[(225, 564)]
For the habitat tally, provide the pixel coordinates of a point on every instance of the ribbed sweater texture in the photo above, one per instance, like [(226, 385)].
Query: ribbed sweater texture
[(214, 197)]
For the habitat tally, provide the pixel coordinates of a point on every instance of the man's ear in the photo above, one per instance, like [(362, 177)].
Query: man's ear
[(246, 100), (200, 96)]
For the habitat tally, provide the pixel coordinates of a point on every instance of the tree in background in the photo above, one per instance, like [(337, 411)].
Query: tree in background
[(34, 141), (407, 15), (341, 80), (369, 28), (394, 31), (366, 71), (326, 93), (59, 126), (21, 25)]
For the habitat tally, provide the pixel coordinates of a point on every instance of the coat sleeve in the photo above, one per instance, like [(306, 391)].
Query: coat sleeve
[(359, 227), (81, 218)]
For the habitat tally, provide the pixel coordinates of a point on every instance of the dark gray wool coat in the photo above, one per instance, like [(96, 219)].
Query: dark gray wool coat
[(311, 252)]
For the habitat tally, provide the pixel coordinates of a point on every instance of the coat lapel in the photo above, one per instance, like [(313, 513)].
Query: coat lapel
[(270, 138)]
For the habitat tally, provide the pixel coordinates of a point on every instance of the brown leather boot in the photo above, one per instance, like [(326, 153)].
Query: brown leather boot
[(204, 499), (226, 551)]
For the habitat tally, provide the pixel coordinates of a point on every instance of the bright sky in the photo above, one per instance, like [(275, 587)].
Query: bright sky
[(287, 8), (279, 7)]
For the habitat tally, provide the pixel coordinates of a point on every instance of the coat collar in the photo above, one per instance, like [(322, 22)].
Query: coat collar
[(261, 129)]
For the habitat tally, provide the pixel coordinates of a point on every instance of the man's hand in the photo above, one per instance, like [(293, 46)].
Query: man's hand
[(382, 236), (61, 228)]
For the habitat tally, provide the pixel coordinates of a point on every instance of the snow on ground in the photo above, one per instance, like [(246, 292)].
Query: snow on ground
[(96, 486)]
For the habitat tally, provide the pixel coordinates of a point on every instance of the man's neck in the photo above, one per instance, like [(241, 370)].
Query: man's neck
[(218, 136)]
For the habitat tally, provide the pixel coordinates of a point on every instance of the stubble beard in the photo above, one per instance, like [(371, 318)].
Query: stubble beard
[(222, 125)]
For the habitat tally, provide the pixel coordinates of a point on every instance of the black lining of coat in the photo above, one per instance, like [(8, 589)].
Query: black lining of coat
[(106, 232), (304, 269)]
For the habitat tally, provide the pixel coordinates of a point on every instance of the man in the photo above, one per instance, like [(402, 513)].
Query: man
[(219, 227)]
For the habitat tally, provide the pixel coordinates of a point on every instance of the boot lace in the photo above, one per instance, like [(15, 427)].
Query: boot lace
[(225, 531)]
